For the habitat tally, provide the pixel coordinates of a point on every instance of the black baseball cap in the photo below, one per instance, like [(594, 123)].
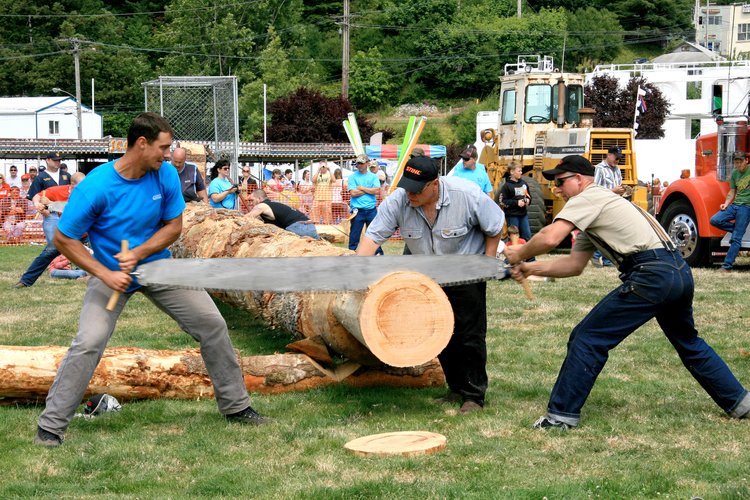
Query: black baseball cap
[(573, 163), (469, 152), (614, 150), (54, 156), (418, 171)]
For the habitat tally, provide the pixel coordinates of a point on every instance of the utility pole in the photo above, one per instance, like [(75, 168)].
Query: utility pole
[(345, 55), (77, 64), (518, 8)]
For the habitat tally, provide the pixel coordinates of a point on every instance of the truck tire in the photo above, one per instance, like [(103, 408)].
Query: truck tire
[(680, 223), (537, 211)]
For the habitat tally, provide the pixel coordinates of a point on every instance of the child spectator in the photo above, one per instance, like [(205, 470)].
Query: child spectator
[(13, 214), (513, 231), (514, 200)]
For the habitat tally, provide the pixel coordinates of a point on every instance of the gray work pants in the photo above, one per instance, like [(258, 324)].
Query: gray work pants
[(194, 312)]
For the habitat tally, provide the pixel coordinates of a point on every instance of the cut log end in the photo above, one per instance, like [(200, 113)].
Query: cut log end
[(405, 319)]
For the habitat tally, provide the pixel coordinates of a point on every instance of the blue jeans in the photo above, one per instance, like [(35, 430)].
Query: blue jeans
[(304, 229), (605, 261), (522, 223), (524, 230), (49, 253), (740, 214), (361, 220), (67, 274), (655, 284)]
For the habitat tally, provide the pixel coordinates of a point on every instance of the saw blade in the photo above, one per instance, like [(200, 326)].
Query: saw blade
[(312, 274)]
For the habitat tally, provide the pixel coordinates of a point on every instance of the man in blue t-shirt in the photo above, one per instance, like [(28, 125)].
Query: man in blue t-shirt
[(363, 187), (134, 200), (468, 168)]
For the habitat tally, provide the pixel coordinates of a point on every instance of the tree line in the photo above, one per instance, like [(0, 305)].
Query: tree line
[(400, 51)]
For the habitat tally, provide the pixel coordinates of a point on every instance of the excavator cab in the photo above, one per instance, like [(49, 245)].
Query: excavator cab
[(540, 120)]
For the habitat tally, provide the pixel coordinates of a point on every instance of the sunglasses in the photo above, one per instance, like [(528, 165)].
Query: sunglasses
[(245, 171), (224, 168), (561, 180)]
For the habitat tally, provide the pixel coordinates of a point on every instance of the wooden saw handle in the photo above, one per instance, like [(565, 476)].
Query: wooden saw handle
[(524, 282), (116, 295)]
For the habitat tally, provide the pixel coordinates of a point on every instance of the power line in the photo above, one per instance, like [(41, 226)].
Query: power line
[(28, 56), (126, 14)]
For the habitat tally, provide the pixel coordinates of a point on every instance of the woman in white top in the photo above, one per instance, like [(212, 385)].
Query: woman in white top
[(305, 189)]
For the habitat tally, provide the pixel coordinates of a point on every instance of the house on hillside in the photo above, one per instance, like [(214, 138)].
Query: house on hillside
[(724, 29), (46, 118), (688, 52)]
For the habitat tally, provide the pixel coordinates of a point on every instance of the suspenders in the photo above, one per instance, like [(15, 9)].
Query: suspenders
[(660, 232)]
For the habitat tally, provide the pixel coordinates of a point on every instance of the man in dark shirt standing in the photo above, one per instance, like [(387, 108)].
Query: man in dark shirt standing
[(280, 215), (191, 180)]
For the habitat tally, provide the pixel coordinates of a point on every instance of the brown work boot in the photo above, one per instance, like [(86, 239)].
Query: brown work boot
[(470, 406), (450, 398)]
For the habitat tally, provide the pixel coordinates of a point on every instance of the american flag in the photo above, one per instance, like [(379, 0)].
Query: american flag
[(642, 100)]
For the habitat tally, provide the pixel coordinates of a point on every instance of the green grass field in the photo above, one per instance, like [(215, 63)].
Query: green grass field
[(648, 430)]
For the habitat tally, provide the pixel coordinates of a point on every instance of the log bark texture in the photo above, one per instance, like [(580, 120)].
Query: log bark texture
[(127, 373), (209, 233)]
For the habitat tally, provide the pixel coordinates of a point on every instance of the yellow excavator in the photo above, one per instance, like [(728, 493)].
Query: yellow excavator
[(540, 120)]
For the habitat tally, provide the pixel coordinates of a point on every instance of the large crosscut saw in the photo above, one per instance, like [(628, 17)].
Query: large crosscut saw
[(312, 274)]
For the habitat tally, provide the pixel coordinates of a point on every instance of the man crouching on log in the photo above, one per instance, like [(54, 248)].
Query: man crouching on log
[(133, 199), (440, 216)]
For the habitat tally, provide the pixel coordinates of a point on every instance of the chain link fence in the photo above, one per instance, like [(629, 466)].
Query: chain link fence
[(200, 109)]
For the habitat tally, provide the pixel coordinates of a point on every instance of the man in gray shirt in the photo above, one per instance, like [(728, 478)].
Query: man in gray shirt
[(191, 180), (607, 174), (439, 216)]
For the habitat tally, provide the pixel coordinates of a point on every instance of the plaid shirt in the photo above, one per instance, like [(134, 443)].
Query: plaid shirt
[(607, 176)]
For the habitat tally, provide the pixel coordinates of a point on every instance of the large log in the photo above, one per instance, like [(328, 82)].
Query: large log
[(399, 322), (126, 373)]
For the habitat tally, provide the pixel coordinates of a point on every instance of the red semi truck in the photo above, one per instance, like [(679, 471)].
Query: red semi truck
[(688, 204)]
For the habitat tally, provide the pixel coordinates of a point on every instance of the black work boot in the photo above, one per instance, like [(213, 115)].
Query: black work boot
[(46, 438), (248, 416)]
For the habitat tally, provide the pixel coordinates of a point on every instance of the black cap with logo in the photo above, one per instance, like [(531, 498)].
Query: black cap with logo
[(418, 171)]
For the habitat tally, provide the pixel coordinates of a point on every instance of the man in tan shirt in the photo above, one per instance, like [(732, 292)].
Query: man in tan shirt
[(656, 283)]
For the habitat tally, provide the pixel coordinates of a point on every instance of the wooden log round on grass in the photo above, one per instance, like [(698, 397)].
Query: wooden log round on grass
[(402, 321), (403, 443)]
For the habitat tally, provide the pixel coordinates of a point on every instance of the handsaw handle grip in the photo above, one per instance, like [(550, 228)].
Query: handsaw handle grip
[(116, 295), (524, 282)]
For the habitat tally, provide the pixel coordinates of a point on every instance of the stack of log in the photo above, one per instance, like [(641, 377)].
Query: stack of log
[(395, 328)]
